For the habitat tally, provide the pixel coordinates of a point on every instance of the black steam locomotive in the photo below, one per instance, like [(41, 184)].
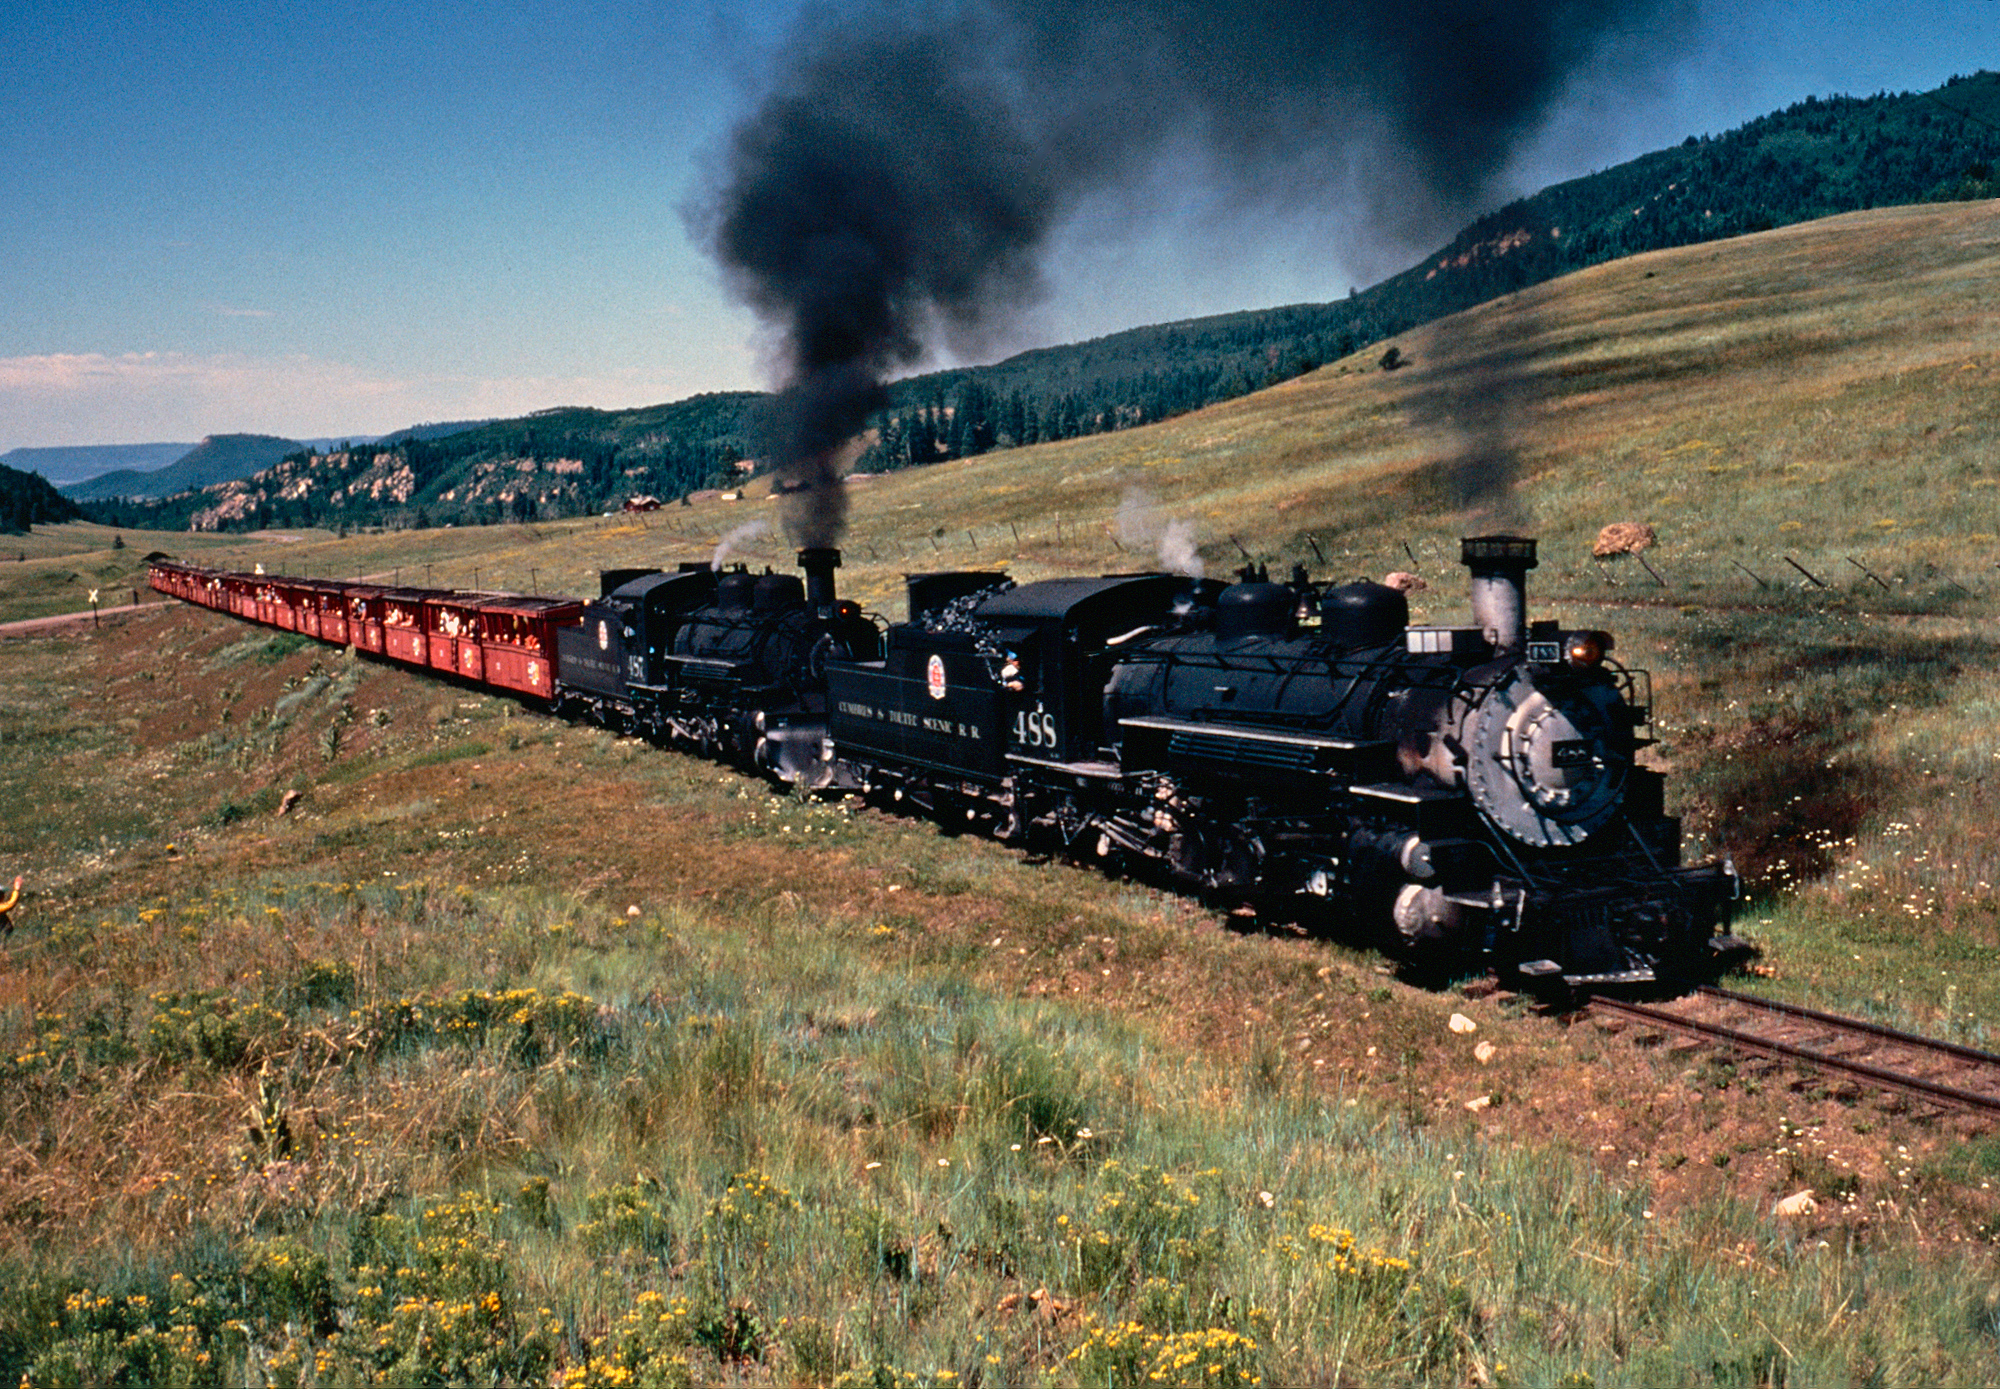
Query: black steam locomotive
[(724, 662), (1467, 795)]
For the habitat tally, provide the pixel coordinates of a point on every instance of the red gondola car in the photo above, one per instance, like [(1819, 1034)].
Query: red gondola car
[(505, 641)]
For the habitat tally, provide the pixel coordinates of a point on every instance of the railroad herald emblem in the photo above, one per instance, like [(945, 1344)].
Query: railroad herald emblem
[(934, 677)]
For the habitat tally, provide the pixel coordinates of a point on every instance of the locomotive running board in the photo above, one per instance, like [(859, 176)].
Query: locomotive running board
[(1259, 750), (1098, 771)]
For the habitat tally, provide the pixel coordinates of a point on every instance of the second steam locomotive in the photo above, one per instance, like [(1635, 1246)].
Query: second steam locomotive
[(1465, 795)]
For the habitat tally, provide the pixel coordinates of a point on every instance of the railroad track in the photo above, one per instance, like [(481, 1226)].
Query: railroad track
[(1852, 1047)]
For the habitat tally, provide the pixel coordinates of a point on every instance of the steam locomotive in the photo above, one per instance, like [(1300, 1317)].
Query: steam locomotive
[(1467, 795)]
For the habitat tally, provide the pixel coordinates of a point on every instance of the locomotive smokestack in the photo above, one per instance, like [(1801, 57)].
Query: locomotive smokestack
[(819, 562), (1500, 565)]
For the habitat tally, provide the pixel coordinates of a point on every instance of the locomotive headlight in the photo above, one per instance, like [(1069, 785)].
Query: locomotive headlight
[(1586, 648)]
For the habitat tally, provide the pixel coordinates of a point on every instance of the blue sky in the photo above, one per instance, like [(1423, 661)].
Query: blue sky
[(317, 219)]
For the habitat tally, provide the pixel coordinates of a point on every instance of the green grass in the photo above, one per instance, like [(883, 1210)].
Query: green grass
[(625, 1147)]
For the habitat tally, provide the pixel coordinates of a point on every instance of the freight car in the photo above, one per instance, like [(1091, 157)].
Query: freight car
[(503, 640), (1468, 795)]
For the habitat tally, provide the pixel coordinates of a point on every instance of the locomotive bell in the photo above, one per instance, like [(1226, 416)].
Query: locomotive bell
[(1500, 565)]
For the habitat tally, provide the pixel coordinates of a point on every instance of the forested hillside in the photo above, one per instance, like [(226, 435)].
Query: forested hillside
[(558, 462), (27, 500), (1817, 158)]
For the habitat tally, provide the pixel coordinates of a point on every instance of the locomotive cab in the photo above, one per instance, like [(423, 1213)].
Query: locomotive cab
[(1067, 634)]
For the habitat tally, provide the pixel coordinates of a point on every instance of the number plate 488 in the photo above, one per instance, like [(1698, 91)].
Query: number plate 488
[(1035, 728)]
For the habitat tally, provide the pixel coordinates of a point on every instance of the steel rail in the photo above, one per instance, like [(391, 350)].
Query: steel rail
[(1767, 1046), (1873, 1029)]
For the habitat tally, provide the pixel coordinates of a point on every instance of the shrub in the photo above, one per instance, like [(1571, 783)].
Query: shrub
[(1126, 1355), (285, 1280), (435, 1301), (1033, 1093), (627, 1217), (748, 1213), (211, 1026), (139, 1339), (535, 1024), (319, 984)]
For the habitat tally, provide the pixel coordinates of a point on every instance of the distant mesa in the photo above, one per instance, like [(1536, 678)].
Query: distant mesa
[(218, 458), (67, 466)]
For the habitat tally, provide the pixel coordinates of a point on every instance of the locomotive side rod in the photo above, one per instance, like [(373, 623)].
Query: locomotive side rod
[(1861, 1070)]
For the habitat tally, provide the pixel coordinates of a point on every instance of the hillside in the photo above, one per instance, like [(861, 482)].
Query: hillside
[(27, 500), (557, 463), (66, 466), (1817, 158), (1812, 395), (1814, 159), (218, 459), (429, 1049)]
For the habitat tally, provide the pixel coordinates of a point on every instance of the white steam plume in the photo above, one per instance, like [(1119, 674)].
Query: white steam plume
[(1141, 525), (736, 539)]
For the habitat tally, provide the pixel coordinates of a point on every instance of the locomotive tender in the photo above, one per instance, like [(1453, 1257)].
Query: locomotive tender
[(1467, 795)]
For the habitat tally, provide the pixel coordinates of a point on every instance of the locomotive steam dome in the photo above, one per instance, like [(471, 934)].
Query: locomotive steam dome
[(1364, 614), (1548, 767), (1255, 609)]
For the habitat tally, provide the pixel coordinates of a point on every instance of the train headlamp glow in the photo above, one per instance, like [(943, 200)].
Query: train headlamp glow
[(1584, 648)]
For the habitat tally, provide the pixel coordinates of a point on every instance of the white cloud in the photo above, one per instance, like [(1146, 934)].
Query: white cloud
[(135, 397)]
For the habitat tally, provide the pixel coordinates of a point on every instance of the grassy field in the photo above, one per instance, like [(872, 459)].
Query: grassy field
[(509, 1051)]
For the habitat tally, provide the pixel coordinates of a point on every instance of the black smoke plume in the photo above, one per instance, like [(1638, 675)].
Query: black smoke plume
[(910, 162), (1478, 395)]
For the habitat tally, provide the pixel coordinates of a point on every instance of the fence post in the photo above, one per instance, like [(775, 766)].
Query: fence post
[(1866, 570), (1815, 579)]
